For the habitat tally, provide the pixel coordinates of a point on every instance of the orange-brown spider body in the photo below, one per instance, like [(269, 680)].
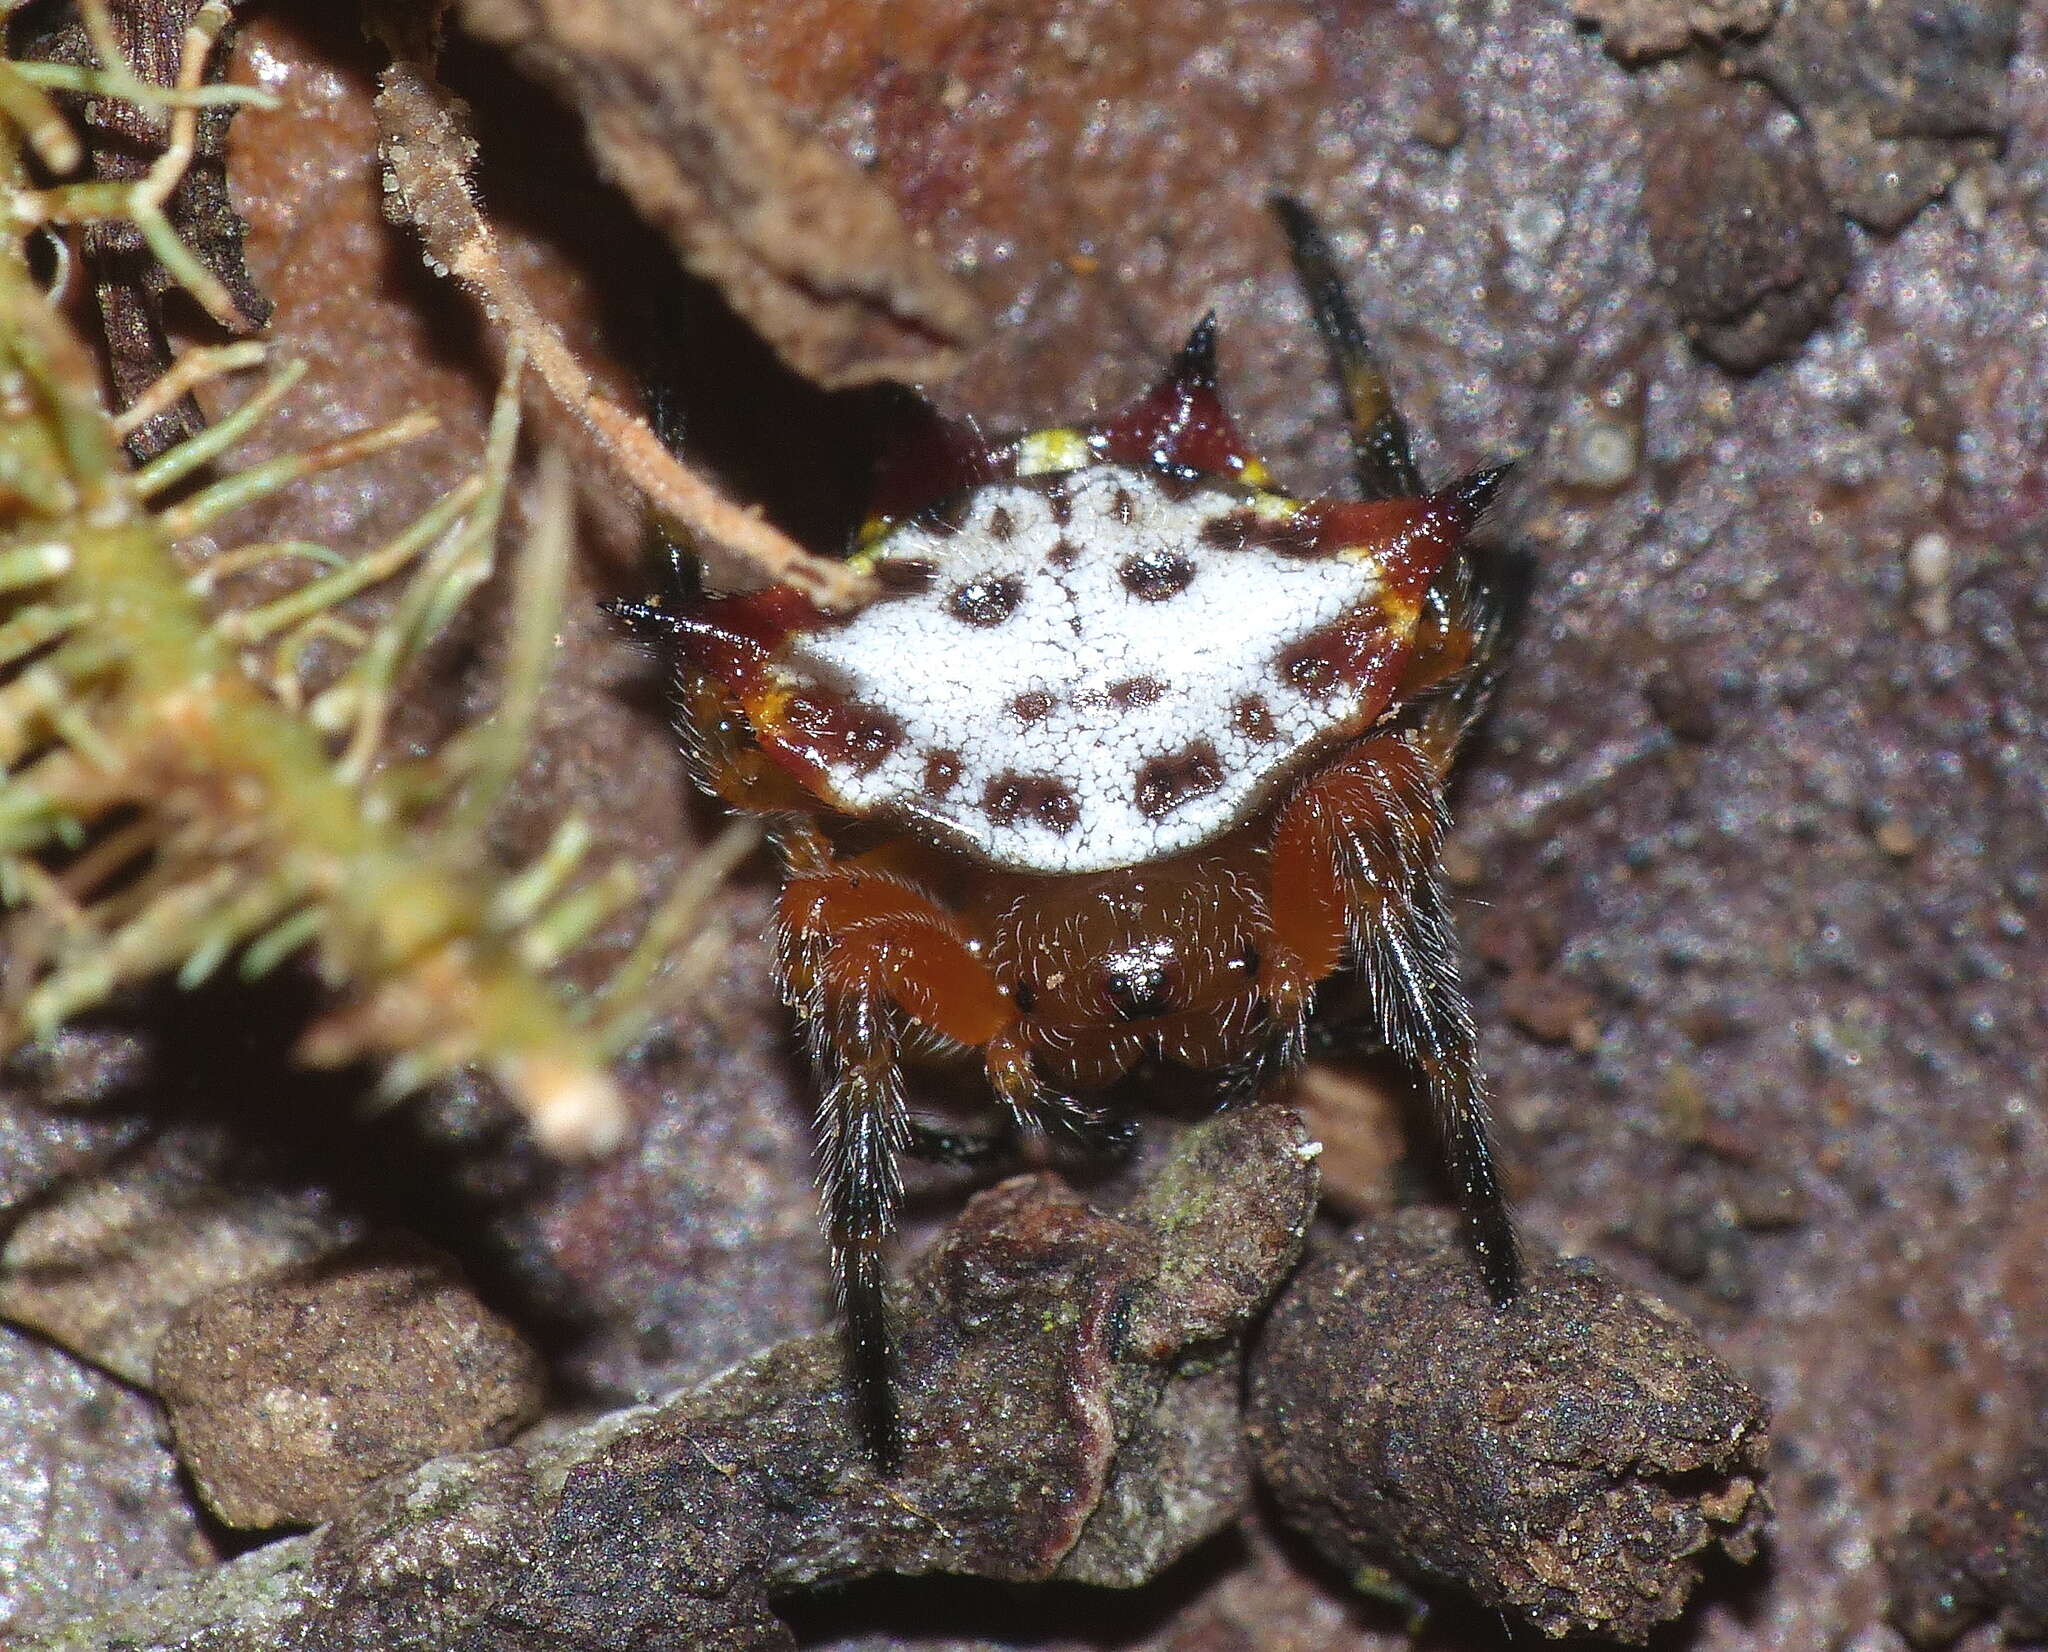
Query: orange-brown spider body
[(1132, 753)]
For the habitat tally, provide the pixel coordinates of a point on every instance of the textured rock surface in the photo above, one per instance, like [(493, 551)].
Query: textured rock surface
[(90, 1501), (1975, 1555), (290, 1394), (1633, 29), (1899, 99), (810, 251), (1812, 1113), (1744, 235), (103, 1264), (1070, 1410), (1573, 1460)]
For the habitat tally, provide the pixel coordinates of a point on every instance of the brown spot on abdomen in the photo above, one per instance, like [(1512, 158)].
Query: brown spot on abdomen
[(1153, 576), (1032, 707), (1132, 692), (942, 770), (1253, 719), (905, 576), (1165, 783), (871, 735), (1350, 651), (985, 602), (1309, 665), (1042, 797), (832, 734), (1292, 536)]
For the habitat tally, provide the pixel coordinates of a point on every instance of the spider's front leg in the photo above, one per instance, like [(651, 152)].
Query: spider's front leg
[(863, 953), (1354, 880)]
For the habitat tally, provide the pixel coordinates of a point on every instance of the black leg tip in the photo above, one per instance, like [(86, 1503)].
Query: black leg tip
[(874, 1401), (883, 1435), (1298, 222), (1500, 1256), (955, 1147), (1113, 1139), (1100, 1135)]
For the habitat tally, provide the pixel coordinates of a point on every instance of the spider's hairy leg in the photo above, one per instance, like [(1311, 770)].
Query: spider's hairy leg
[(1468, 626), (863, 1126), (1034, 1104), (861, 953), (1286, 1046), (1379, 436), (1354, 879), (726, 760)]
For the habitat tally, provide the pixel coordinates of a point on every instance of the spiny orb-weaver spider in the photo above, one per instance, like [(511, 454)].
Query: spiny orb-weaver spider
[(1131, 754)]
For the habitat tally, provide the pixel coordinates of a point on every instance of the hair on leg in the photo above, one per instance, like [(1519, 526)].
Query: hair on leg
[(863, 1126), (1355, 880)]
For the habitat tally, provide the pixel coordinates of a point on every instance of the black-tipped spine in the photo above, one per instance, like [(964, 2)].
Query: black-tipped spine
[(1473, 494), (1194, 364), (1379, 436)]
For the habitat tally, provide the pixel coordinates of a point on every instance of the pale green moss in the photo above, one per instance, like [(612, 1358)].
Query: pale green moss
[(167, 803)]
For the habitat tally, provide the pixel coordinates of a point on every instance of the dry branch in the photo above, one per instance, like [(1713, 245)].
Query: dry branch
[(429, 156)]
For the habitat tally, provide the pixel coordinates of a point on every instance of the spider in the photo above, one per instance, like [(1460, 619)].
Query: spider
[(1132, 753)]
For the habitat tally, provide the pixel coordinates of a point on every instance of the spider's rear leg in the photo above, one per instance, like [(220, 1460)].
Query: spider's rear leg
[(1029, 1106), (1354, 880), (1379, 437), (860, 952)]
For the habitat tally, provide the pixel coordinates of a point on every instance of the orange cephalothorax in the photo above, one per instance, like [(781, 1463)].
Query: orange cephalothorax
[(1132, 751)]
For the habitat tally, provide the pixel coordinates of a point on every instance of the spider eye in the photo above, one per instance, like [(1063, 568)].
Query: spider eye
[(1139, 984), (1025, 996)]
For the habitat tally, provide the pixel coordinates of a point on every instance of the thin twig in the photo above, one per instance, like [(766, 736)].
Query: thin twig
[(245, 487), (200, 365), (41, 122), (428, 158), (330, 590)]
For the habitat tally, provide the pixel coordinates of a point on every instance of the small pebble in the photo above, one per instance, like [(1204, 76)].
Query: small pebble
[(1551, 1009), (1440, 124), (1930, 560), (1532, 226), (1684, 700), (290, 1395), (1747, 244), (1572, 1460), (1599, 453)]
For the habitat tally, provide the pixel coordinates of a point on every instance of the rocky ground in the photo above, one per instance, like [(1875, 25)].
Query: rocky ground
[(1750, 863)]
